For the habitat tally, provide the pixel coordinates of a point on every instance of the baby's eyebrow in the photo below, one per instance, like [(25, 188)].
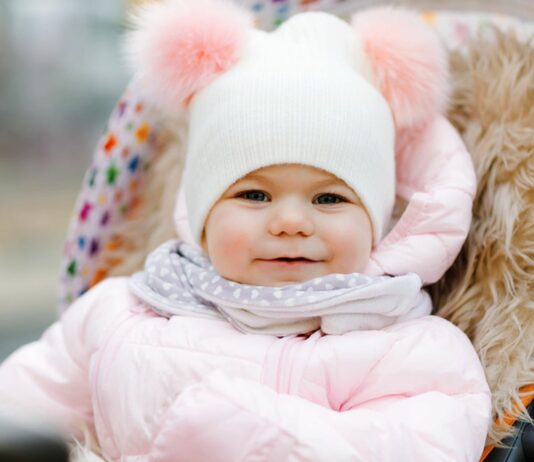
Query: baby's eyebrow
[(318, 184), (330, 182), (254, 177), (258, 178), (244, 181)]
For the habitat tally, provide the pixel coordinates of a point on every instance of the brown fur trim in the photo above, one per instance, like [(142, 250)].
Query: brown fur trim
[(488, 292)]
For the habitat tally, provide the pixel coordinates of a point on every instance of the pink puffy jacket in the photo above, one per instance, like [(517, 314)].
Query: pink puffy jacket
[(192, 389)]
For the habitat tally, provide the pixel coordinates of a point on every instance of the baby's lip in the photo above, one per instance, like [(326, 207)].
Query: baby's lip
[(289, 258)]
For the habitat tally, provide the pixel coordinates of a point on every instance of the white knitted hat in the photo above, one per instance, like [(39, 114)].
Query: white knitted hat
[(294, 97), (306, 93)]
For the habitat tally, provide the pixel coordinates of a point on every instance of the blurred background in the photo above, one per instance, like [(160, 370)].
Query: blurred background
[(60, 76)]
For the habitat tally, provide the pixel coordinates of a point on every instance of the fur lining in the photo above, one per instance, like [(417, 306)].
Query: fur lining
[(85, 448), (82, 454), (488, 292)]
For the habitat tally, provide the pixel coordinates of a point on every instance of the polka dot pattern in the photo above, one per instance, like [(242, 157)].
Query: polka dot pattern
[(180, 280), (176, 268)]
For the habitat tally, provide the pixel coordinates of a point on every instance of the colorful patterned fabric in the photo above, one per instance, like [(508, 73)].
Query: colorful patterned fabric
[(111, 191), (454, 26), (113, 185)]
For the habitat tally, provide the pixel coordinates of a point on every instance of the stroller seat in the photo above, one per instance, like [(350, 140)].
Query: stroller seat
[(486, 292)]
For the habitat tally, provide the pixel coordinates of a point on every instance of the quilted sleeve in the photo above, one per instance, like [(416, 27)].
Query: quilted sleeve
[(48, 379), (435, 175)]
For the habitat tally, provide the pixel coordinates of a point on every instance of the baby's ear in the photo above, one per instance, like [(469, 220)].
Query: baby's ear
[(408, 61), (177, 47)]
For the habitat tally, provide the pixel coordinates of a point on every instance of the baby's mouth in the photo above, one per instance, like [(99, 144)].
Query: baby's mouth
[(288, 261), (296, 259)]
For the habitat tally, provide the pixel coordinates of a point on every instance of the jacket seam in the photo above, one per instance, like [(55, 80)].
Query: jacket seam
[(191, 350)]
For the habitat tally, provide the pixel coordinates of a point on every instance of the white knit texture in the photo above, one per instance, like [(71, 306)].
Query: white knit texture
[(298, 95)]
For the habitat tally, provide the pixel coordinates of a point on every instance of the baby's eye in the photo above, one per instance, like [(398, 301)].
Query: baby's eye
[(329, 198), (259, 196)]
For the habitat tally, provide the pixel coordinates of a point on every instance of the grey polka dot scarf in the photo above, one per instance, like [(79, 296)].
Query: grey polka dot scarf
[(179, 280)]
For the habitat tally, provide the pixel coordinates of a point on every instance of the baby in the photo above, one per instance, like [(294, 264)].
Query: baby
[(287, 223), (275, 332)]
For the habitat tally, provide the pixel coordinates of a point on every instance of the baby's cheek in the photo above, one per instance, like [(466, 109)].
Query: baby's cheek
[(230, 240), (351, 241), (232, 235), (234, 242)]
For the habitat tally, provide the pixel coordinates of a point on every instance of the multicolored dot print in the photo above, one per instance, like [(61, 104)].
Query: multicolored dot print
[(110, 189), (455, 27)]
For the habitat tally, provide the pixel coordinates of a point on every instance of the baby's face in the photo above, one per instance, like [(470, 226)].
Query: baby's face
[(287, 223)]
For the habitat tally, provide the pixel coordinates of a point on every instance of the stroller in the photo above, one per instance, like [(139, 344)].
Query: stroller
[(123, 212)]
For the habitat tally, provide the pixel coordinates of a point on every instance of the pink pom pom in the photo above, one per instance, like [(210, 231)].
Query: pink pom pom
[(409, 63), (180, 46)]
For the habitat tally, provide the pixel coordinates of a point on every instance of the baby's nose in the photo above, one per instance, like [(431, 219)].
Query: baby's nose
[(291, 218)]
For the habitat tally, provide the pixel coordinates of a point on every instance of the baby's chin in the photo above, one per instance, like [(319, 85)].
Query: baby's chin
[(269, 275), (281, 283), (274, 280), (272, 283)]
